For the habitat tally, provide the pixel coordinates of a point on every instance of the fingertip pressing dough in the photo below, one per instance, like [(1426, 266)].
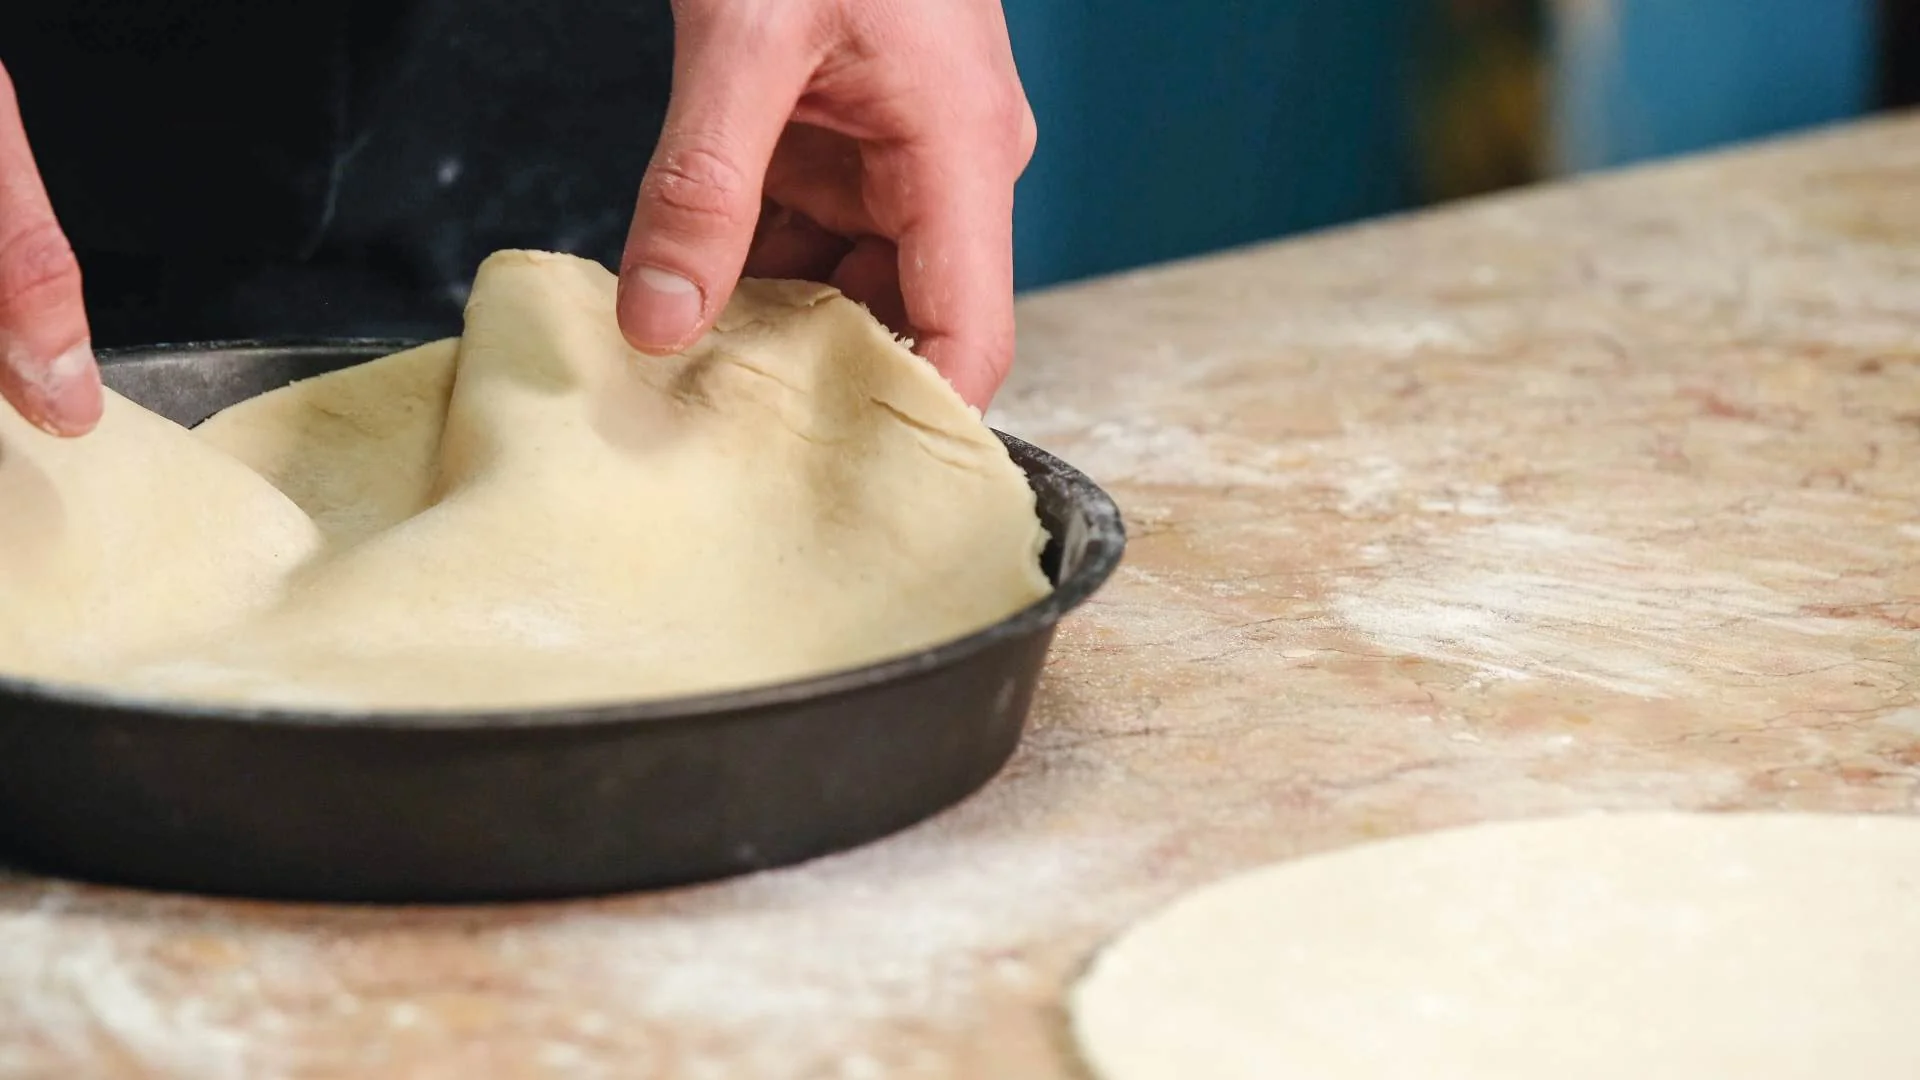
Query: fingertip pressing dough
[(1660, 946), (531, 514)]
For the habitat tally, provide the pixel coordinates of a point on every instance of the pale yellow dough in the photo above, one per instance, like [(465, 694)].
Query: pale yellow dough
[(531, 514), (1660, 946)]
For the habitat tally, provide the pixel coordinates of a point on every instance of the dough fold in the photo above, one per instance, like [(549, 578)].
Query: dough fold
[(530, 515)]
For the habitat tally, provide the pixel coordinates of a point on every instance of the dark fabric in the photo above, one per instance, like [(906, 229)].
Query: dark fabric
[(246, 168), (1899, 53)]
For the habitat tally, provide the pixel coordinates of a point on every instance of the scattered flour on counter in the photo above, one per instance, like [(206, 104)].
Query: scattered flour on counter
[(772, 975), (1518, 601), (1406, 338), (1371, 485), (1143, 451), (1467, 500), (843, 941), (68, 984), (1393, 331)]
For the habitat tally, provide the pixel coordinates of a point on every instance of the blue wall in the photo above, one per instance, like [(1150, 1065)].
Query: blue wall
[(1664, 77), (1169, 127)]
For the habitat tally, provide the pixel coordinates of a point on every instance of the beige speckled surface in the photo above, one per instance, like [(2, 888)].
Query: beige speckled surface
[(1603, 496)]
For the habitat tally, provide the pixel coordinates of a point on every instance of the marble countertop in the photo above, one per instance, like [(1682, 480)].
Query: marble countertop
[(1601, 496)]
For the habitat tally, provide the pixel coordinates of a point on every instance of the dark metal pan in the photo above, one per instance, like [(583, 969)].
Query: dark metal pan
[(400, 808)]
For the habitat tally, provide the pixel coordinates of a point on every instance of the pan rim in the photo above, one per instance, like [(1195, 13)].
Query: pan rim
[(1105, 547)]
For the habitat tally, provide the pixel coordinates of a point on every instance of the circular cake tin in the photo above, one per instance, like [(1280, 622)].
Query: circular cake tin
[(525, 804)]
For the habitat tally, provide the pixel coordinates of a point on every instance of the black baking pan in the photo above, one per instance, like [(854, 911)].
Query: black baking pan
[(449, 808)]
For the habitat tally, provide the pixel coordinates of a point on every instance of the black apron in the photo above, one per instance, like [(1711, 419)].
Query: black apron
[(247, 168)]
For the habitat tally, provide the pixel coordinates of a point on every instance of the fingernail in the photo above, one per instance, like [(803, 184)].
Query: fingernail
[(61, 396), (77, 402), (662, 309)]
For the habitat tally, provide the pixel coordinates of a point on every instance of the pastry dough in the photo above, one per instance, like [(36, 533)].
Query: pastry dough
[(532, 514), (1654, 946)]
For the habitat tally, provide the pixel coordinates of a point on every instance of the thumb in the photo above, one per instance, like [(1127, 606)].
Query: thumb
[(700, 200), (47, 370)]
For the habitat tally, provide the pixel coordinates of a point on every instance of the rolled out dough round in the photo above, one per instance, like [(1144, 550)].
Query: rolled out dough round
[(1652, 946), (531, 514)]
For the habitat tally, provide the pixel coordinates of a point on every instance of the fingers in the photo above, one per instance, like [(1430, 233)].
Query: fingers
[(956, 266), (881, 151), (870, 274), (738, 71), (790, 245), (944, 192), (821, 172), (47, 370)]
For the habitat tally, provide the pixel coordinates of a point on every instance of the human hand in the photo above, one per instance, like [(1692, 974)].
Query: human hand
[(870, 144), (47, 371)]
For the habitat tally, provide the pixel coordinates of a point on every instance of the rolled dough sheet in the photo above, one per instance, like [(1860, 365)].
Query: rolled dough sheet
[(1653, 946), (532, 514)]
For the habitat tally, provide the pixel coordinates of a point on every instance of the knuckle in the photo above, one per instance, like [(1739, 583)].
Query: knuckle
[(752, 25), (991, 353), (701, 190), (1029, 137), (36, 263), (1010, 120), (1000, 354)]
